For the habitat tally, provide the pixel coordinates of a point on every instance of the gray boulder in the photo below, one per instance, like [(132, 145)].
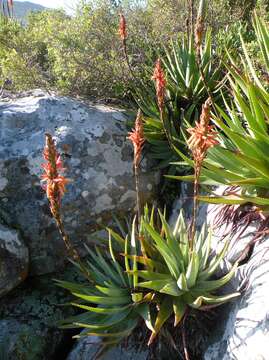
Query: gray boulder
[(29, 317), (223, 232), (98, 159), (14, 259), (244, 331), (185, 202), (87, 348), (20, 340)]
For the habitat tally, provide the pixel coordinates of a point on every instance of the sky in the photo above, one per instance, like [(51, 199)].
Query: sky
[(66, 4)]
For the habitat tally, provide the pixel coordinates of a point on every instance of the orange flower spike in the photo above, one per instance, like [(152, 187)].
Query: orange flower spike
[(203, 135), (54, 182), (122, 28), (160, 83), (137, 138), (202, 138)]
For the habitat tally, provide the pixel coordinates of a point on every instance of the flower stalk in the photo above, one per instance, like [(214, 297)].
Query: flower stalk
[(123, 35), (160, 84), (136, 136), (190, 17), (198, 40), (55, 186), (203, 137), (7, 8), (199, 28)]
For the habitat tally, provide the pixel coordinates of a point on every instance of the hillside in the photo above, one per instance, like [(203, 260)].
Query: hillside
[(22, 8)]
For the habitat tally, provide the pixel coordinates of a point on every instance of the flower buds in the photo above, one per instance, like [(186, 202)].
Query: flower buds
[(199, 26), (137, 138), (203, 135), (54, 182), (160, 83), (122, 28)]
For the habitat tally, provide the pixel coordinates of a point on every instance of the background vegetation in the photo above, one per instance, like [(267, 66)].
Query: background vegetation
[(82, 55)]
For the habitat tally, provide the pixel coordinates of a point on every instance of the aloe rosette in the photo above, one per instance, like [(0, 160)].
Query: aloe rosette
[(111, 301), (185, 94), (179, 276), (157, 275)]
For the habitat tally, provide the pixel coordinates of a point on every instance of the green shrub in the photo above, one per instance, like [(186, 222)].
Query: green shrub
[(20, 56), (82, 55), (79, 55)]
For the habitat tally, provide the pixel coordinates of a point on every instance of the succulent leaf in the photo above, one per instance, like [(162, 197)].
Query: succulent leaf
[(166, 309)]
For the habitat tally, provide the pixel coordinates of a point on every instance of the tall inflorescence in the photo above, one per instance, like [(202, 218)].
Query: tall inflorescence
[(55, 185), (122, 28), (123, 36), (198, 38), (160, 84), (54, 181), (199, 28), (136, 136), (203, 136)]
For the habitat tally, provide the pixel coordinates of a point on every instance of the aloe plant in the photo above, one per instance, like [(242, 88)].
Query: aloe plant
[(179, 276), (112, 303), (184, 96), (158, 273), (241, 158)]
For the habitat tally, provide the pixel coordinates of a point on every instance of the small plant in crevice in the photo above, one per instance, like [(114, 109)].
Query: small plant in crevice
[(179, 271)]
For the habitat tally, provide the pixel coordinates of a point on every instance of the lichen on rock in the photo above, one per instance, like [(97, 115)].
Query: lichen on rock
[(98, 160)]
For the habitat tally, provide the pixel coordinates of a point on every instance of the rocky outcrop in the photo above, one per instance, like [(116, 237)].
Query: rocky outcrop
[(243, 332), (14, 259), (185, 202), (242, 329), (98, 161), (29, 320), (87, 348)]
